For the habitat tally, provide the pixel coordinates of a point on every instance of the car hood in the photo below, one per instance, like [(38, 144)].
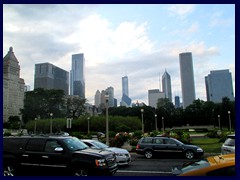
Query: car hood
[(117, 150), (97, 152), (191, 146)]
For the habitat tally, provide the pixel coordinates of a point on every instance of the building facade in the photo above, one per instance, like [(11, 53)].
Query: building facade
[(126, 100), (219, 85), (166, 85), (48, 76), (13, 86), (110, 92), (153, 96), (187, 78), (97, 99), (77, 75)]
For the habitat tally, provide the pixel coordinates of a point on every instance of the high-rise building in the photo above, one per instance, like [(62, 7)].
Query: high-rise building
[(153, 96), (187, 78), (166, 86), (97, 99), (77, 75), (219, 85), (177, 102), (126, 100), (110, 92), (13, 86), (48, 76)]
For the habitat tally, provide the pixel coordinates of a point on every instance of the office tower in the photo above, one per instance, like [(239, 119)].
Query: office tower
[(177, 102), (77, 75), (97, 99), (153, 96), (126, 100), (219, 85), (166, 86), (187, 78), (13, 86), (49, 76), (110, 92)]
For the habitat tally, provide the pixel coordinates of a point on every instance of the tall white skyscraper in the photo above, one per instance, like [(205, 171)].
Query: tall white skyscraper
[(77, 75), (219, 85), (166, 86), (97, 99), (187, 78), (126, 101), (110, 92), (153, 96)]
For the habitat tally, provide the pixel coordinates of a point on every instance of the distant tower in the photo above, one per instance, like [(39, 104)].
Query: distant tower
[(177, 102), (219, 85), (97, 99), (153, 96), (126, 101), (110, 92), (166, 86), (77, 75), (187, 78)]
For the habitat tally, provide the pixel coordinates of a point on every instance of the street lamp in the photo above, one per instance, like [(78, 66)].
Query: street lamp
[(219, 122), (156, 122), (142, 110), (51, 114), (88, 124), (107, 128), (35, 126), (229, 119), (163, 124)]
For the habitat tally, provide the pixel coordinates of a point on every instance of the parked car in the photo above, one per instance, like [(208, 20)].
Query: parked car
[(166, 146), (228, 146), (123, 157), (55, 153), (222, 165)]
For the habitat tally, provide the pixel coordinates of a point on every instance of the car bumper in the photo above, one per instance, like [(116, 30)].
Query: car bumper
[(123, 160), (106, 171)]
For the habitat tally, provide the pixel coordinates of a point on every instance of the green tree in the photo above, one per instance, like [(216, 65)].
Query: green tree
[(75, 106)]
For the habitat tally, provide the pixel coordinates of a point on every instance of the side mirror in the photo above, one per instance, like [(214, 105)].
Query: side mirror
[(58, 149)]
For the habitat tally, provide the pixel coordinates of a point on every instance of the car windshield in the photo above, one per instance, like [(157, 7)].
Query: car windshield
[(229, 142), (194, 165), (99, 144), (74, 144)]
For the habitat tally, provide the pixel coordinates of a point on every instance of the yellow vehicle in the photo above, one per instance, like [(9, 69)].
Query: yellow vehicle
[(222, 165)]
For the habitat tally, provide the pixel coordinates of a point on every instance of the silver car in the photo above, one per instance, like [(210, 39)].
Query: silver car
[(228, 146), (123, 157)]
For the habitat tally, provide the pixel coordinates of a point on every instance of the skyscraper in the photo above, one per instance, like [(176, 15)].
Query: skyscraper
[(77, 75), (187, 78), (13, 86), (219, 85), (110, 92), (166, 86), (97, 99), (153, 96), (126, 101), (48, 76)]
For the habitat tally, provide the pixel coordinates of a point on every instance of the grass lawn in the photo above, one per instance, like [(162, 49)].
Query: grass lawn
[(209, 145)]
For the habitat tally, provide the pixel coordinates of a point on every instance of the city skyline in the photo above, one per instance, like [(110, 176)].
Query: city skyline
[(123, 39)]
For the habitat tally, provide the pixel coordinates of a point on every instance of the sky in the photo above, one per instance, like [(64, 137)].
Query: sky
[(141, 41)]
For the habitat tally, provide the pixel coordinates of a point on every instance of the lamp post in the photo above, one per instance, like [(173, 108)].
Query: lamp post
[(156, 122), (163, 124), (107, 128), (229, 119), (219, 127), (51, 114), (88, 125), (142, 110), (35, 126)]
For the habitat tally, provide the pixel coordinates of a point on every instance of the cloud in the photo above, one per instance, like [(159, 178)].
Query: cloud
[(182, 10)]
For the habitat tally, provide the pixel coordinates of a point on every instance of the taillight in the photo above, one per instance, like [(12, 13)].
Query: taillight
[(137, 147)]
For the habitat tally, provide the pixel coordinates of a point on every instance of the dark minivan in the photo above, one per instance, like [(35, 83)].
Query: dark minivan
[(166, 146)]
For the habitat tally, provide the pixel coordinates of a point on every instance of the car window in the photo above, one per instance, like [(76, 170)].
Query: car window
[(75, 144), (226, 171), (190, 166), (35, 145), (147, 140), (229, 142), (158, 141), (170, 141), (51, 145)]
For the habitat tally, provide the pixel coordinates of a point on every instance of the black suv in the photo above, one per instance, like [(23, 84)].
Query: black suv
[(166, 146), (51, 153)]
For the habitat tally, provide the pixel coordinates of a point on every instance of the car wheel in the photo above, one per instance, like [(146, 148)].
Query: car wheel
[(9, 170), (79, 171), (148, 154), (189, 154)]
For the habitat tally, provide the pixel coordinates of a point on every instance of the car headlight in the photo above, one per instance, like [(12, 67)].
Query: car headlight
[(100, 162), (199, 150), (118, 154)]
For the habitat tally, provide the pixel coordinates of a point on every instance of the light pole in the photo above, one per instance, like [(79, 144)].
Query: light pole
[(156, 122), (107, 128), (163, 124), (35, 126), (219, 122), (51, 114), (142, 110), (88, 124), (229, 119)]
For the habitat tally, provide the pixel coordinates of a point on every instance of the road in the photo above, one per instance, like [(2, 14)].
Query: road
[(141, 166)]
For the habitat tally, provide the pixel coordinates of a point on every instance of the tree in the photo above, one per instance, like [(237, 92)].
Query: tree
[(75, 106)]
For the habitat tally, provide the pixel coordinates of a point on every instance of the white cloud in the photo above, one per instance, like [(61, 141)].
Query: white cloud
[(182, 10)]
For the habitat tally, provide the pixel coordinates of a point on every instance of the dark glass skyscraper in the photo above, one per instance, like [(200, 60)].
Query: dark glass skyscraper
[(166, 86), (48, 76), (77, 76)]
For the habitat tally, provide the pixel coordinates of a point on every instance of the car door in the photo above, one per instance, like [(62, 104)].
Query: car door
[(158, 146), (173, 147)]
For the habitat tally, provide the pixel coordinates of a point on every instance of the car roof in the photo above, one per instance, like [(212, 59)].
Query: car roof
[(221, 159)]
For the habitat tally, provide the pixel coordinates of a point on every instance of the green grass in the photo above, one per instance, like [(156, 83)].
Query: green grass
[(209, 145)]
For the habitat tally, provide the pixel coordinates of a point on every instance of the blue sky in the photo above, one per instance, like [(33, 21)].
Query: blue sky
[(141, 41)]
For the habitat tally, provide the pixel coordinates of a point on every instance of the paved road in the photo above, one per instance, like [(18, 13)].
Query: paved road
[(141, 166)]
